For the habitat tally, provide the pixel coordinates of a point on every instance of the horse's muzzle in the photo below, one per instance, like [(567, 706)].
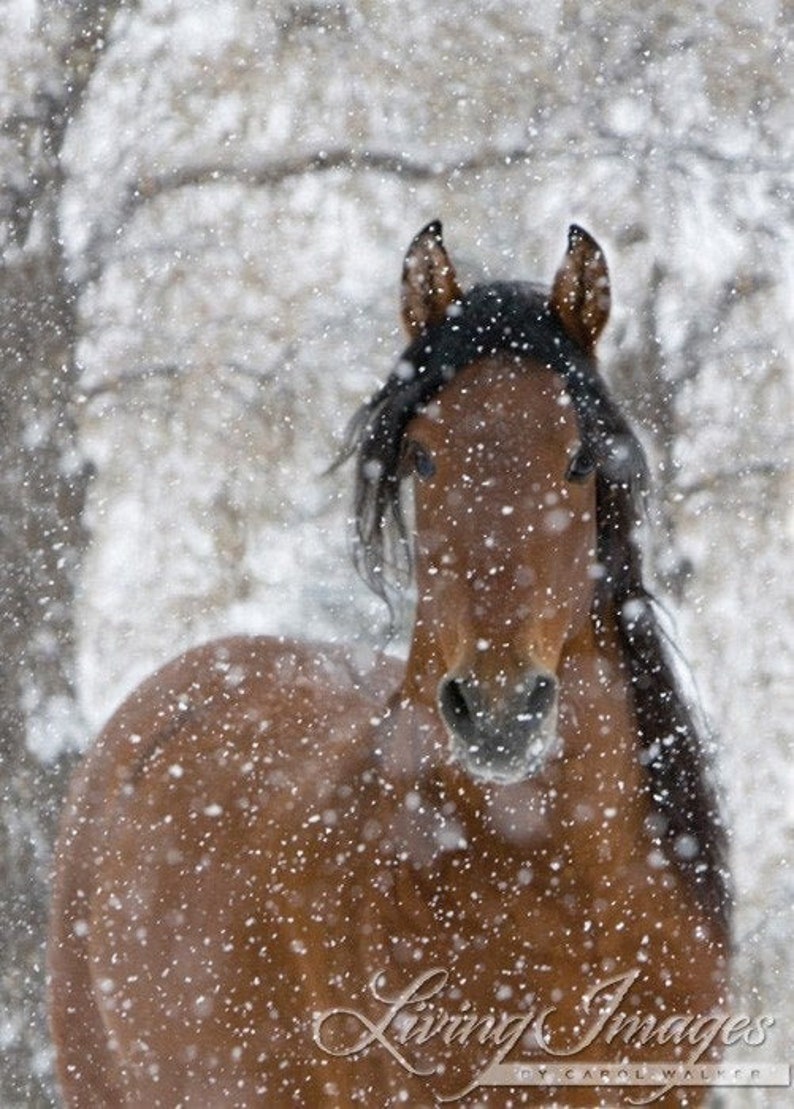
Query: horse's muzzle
[(504, 738)]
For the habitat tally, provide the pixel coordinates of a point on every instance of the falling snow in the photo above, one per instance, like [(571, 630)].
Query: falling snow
[(236, 291)]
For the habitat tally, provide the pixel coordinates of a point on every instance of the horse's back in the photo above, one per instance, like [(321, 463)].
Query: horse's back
[(207, 774), (280, 700)]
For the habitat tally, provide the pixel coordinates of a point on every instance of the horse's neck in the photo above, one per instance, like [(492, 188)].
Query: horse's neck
[(597, 723), (604, 801)]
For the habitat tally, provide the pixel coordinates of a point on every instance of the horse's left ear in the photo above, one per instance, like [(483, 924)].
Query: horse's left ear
[(580, 294), (429, 284)]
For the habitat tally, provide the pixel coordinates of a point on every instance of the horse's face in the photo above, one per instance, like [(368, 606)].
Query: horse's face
[(506, 550), (505, 517)]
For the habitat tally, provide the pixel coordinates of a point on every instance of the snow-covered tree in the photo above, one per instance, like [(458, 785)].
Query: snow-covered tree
[(49, 51)]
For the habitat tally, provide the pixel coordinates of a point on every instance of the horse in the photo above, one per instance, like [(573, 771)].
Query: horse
[(285, 880)]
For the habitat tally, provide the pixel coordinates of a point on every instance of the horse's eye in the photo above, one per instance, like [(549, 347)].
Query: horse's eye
[(418, 460), (424, 466), (581, 466)]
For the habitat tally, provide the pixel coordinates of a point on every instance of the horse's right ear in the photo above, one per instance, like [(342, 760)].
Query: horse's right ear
[(429, 284), (580, 293)]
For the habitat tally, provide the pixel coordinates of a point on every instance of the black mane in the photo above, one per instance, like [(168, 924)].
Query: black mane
[(514, 319)]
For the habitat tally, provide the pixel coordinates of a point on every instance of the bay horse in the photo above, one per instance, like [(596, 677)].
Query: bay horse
[(281, 881)]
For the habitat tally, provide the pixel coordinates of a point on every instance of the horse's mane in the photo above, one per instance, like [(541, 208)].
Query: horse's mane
[(514, 321)]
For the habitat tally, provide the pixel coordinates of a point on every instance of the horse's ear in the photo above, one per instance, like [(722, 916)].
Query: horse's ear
[(429, 284), (580, 294)]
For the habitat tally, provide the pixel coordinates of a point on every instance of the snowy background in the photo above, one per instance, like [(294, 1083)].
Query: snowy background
[(225, 209)]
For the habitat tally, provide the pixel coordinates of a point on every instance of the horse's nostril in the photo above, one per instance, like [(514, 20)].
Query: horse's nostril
[(461, 708), (454, 703), (541, 697), (469, 717)]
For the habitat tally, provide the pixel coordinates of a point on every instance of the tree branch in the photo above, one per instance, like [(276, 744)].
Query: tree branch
[(707, 484)]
